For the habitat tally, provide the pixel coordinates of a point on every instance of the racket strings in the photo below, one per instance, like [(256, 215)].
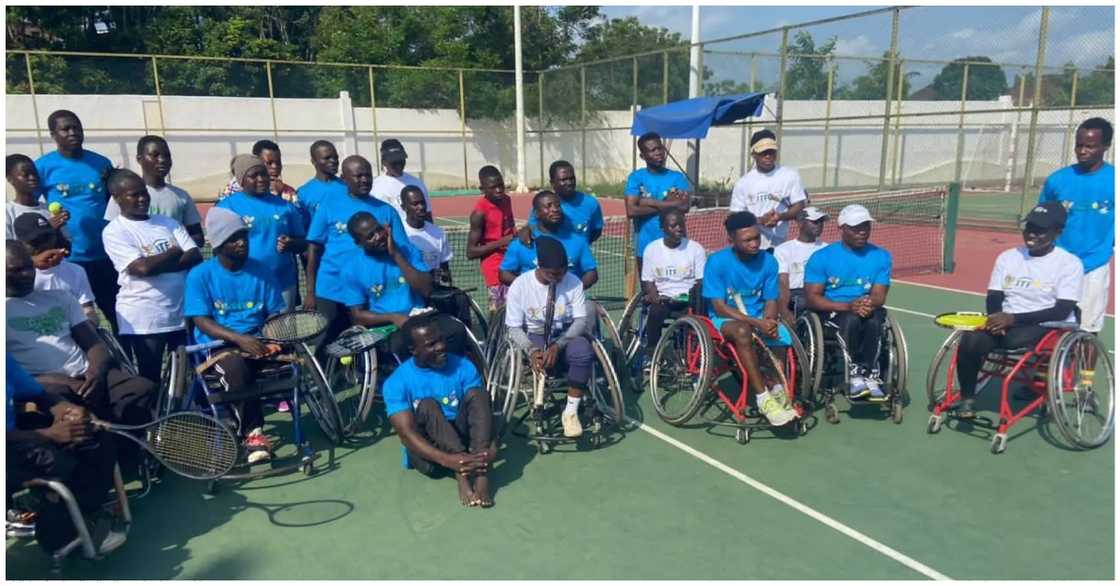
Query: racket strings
[(295, 326), (196, 447)]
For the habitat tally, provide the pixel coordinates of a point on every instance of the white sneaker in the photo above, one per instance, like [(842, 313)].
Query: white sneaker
[(857, 387), (780, 394), (772, 409), (572, 427)]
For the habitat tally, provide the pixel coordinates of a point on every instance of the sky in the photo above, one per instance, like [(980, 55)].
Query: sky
[(1007, 34)]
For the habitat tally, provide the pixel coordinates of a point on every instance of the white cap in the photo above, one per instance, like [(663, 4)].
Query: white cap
[(854, 215), (813, 213)]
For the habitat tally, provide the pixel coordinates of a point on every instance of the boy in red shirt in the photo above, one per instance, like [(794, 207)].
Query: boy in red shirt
[(491, 230)]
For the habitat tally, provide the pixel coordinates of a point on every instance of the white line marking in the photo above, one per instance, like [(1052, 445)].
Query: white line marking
[(453, 221), (952, 290), (796, 505)]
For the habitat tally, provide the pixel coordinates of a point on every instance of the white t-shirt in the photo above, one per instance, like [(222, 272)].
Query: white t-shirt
[(527, 298), (759, 193), (14, 210), (147, 305), (432, 243), (38, 330), (68, 277), (673, 270), (792, 255), (388, 189), (1033, 283), (170, 201)]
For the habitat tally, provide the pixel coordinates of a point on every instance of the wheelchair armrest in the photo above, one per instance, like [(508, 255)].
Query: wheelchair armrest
[(196, 348)]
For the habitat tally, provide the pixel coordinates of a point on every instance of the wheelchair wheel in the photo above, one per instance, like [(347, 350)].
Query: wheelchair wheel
[(810, 333), (316, 391), (604, 385), (176, 378), (503, 384), (480, 327), (896, 358), (771, 369), (936, 376), (681, 370), (799, 368), (353, 386), (629, 328), (1081, 389), (496, 333), (117, 352)]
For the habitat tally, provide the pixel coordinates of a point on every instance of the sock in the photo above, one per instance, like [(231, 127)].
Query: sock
[(572, 406)]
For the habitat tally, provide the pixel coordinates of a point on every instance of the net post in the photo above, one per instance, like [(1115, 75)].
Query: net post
[(952, 208)]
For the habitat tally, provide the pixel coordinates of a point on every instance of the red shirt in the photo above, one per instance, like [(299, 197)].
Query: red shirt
[(497, 223)]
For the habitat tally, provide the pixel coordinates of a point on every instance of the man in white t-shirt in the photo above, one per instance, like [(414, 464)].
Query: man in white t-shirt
[(152, 255), (792, 255), (48, 254), (564, 338), (52, 340), (773, 193), (1030, 284), (435, 248), (387, 186), (154, 157), (672, 269)]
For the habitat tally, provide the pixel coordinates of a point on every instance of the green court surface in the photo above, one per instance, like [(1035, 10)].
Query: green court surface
[(865, 499)]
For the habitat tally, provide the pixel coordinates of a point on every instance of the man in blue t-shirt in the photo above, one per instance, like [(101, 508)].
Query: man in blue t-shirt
[(324, 185), (740, 286), (520, 258), (651, 190), (1088, 192), (847, 282), (74, 178), (582, 213), (229, 298), (440, 409)]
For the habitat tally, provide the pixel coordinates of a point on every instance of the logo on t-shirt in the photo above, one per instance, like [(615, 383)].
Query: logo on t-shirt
[(837, 282), (222, 307), (340, 228), (157, 247), (1013, 282), (51, 322)]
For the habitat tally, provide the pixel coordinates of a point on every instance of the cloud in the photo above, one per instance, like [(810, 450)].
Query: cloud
[(861, 46)]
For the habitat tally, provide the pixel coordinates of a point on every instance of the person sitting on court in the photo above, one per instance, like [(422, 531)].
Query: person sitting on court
[(526, 308), (276, 229), (53, 340), (152, 254), (439, 407), (435, 250), (521, 258), (1030, 284), (325, 185), (741, 290), (582, 213), (229, 298), (846, 282), (154, 156), (772, 192), (792, 256), (491, 231), (25, 182), (651, 190), (57, 442), (52, 271), (672, 268)]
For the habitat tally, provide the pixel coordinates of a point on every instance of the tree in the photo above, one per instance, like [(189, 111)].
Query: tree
[(873, 84), (985, 82), (806, 78), (1098, 88)]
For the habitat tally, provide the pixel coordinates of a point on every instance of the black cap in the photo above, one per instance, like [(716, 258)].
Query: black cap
[(392, 151), (31, 226), (1050, 214)]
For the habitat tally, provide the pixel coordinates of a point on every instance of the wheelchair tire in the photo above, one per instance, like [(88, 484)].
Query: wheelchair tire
[(935, 393), (810, 332), (629, 328), (480, 327), (1086, 423), (496, 333), (176, 379), (117, 351), (695, 369), (802, 370), (503, 383), (898, 360), (353, 407), (609, 402), (316, 392)]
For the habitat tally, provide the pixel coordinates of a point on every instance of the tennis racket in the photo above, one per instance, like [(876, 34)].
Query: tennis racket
[(294, 327), (188, 443), (961, 320), (358, 342)]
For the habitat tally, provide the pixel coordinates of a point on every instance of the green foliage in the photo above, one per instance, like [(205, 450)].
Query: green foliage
[(873, 84), (806, 77), (985, 82)]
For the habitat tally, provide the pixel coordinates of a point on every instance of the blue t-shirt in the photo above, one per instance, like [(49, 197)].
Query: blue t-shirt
[(847, 274), (756, 281), (582, 215), (411, 383), (314, 192), (268, 217), (1090, 231), (379, 284), (18, 386), (79, 186), (328, 227), (520, 258), (646, 183), (240, 301)]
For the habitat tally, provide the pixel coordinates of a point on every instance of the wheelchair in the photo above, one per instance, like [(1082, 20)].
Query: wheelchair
[(693, 357), (479, 323), (602, 327), (829, 361), (529, 405), (354, 378), (1068, 375)]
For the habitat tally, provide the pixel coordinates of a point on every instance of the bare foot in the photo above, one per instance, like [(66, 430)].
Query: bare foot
[(482, 491), (467, 498)]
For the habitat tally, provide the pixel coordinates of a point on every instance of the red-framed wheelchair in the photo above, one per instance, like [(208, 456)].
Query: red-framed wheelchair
[(1068, 375), (692, 359)]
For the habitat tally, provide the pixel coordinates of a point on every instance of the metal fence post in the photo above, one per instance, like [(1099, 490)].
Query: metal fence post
[(463, 128), (664, 77), (1014, 146), (1069, 124), (959, 165), (633, 111), (893, 57), (1039, 63), (827, 125), (781, 87), (583, 123), (750, 121), (540, 120), (34, 104), (272, 101), (373, 119), (896, 159), (159, 98)]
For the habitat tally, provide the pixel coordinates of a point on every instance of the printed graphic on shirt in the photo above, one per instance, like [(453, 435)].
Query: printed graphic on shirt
[(51, 322)]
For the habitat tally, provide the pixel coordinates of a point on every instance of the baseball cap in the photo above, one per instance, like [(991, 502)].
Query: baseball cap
[(1051, 214), (31, 226), (392, 151), (766, 144), (221, 223), (854, 215), (813, 213)]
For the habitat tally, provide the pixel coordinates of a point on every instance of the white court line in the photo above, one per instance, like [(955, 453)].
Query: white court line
[(454, 221), (796, 505), (952, 290)]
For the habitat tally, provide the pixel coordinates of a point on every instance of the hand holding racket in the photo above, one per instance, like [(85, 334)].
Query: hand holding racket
[(188, 443), (770, 326)]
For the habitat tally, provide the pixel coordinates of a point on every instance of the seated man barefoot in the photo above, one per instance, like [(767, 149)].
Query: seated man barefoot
[(1030, 284), (741, 288), (229, 297), (440, 409), (792, 256), (526, 308), (51, 338), (847, 282), (672, 267)]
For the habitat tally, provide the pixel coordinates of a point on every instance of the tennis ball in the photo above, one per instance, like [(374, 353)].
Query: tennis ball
[(346, 360), (55, 207)]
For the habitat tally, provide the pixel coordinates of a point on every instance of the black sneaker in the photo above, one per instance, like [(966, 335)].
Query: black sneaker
[(966, 410)]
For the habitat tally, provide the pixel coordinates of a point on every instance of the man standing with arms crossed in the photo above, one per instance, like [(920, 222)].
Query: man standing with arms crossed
[(772, 192)]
